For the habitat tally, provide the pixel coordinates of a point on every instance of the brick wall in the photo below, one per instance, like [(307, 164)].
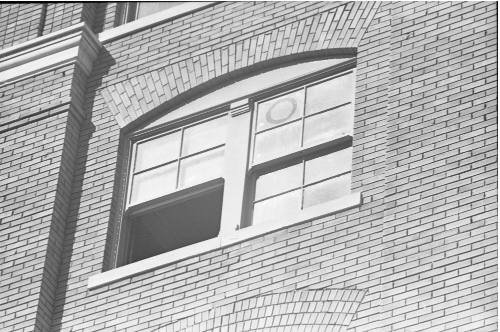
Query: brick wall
[(38, 136), (419, 254), (19, 22), (24, 21), (440, 230)]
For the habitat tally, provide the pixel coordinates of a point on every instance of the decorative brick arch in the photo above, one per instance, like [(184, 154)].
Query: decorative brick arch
[(325, 33), (327, 309)]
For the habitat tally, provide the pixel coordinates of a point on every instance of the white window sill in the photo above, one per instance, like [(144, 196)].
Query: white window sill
[(225, 240), (150, 20)]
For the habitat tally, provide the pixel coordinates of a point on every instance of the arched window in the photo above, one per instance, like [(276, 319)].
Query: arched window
[(271, 149)]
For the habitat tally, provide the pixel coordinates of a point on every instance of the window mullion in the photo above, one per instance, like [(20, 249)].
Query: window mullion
[(235, 161)]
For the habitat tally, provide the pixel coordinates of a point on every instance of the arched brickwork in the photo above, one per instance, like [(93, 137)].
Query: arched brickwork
[(328, 32), (302, 310)]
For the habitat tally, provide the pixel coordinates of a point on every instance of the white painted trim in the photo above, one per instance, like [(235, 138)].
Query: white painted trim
[(346, 202), (74, 44), (150, 20)]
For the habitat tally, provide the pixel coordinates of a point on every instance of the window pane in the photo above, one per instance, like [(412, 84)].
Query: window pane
[(328, 126), (276, 142), (331, 93), (279, 181), (157, 151), (204, 135), (200, 168), (148, 8), (328, 165), (280, 110), (277, 208), (154, 183), (328, 190)]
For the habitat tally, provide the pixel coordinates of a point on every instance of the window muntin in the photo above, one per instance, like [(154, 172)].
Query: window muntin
[(314, 114), (185, 157)]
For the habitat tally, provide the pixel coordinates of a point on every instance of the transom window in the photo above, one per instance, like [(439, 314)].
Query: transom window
[(281, 153)]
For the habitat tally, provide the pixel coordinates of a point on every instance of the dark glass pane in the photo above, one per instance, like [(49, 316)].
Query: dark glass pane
[(280, 110), (334, 92)]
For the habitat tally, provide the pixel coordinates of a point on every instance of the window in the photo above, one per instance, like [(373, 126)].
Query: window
[(132, 11), (268, 152), (186, 161), (304, 133)]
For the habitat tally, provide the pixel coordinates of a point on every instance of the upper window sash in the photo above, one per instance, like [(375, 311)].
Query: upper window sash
[(173, 159), (300, 119)]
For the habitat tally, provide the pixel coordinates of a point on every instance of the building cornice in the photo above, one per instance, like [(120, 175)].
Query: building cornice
[(75, 44)]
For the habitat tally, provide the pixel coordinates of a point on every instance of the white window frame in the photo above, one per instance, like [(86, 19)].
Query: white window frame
[(238, 184)]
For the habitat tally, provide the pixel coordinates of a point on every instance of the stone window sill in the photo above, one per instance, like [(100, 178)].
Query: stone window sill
[(222, 241)]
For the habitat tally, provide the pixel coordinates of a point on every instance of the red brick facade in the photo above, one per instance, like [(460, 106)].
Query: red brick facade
[(419, 253)]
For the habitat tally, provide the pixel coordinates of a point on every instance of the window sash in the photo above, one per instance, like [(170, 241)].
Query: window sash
[(177, 161), (302, 119)]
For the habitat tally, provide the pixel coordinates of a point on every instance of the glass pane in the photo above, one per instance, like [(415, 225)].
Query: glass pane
[(154, 183), (277, 142), (328, 165), (202, 167), (157, 151), (327, 126), (204, 135), (279, 181), (327, 190), (331, 93), (148, 8), (277, 208), (280, 110)]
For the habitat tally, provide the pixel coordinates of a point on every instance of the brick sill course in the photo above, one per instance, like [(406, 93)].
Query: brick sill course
[(224, 240)]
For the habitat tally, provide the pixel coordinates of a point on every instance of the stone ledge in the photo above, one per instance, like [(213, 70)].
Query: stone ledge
[(74, 44)]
